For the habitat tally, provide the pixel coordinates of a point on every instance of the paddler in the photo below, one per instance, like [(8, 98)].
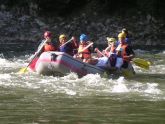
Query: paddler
[(127, 51), (67, 47), (83, 52)]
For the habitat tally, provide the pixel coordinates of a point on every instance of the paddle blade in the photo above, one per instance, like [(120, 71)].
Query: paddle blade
[(23, 70), (142, 63)]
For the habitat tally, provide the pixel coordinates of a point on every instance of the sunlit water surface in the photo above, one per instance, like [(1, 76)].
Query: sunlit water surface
[(35, 99)]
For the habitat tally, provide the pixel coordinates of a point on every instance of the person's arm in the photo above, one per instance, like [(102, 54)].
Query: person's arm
[(107, 51), (130, 53), (90, 44), (74, 43)]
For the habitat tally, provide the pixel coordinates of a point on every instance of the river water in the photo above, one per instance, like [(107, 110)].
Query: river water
[(35, 99)]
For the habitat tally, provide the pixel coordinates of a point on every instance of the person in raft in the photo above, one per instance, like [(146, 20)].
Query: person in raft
[(49, 46), (111, 57), (46, 44), (128, 37), (67, 46), (85, 49), (109, 49), (127, 51)]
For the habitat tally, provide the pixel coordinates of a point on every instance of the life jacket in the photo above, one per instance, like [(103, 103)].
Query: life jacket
[(48, 47), (112, 49), (124, 53), (86, 54), (67, 48)]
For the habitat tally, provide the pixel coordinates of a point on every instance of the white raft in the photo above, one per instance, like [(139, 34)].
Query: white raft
[(59, 63)]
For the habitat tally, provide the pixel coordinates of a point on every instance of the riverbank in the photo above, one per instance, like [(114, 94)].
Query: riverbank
[(145, 30)]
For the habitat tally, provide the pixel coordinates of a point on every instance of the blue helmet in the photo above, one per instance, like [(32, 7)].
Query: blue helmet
[(83, 38)]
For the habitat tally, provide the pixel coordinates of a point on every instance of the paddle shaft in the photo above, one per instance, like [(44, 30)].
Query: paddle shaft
[(66, 42), (98, 51), (86, 47), (38, 51)]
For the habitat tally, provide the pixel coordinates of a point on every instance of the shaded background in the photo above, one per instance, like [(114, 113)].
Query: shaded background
[(25, 21), (67, 7)]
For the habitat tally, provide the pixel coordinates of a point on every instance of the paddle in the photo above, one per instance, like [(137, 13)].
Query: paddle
[(99, 52), (141, 63), (85, 47), (67, 42), (24, 69), (137, 61)]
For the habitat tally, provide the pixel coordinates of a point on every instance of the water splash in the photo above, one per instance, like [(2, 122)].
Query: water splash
[(120, 86), (71, 85), (152, 88)]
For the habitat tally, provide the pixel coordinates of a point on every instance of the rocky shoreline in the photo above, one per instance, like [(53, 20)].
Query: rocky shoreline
[(19, 29)]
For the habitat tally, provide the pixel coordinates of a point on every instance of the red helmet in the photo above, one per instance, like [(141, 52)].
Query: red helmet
[(47, 34)]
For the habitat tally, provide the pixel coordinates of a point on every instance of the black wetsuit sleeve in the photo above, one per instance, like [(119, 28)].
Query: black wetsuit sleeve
[(129, 50)]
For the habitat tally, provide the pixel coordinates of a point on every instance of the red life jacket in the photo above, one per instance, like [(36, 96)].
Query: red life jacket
[(86, 54), (48, 47)]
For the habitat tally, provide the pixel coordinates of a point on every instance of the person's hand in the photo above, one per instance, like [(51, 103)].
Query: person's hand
[(129, 58), (73, 38), (74, 41), (96, 49), (89, 42)]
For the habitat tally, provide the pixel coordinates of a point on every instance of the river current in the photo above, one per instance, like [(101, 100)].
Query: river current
[(35, 99)]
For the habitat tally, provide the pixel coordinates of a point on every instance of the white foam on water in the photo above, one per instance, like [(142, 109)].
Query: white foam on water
[(4, 62), (5, 76), (139, 51), (91, 84), (70, 92), (157, 69), (145, 88), (12, 64), (120, 86), (152, 88)]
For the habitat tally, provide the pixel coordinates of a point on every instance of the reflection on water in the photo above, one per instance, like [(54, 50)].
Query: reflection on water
[(34, 99)]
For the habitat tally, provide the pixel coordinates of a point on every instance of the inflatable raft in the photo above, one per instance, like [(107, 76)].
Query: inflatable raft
[(59, 63)]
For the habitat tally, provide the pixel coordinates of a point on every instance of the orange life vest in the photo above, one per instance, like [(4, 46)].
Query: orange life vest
[(86, 54), (48, 47), (124, 53)]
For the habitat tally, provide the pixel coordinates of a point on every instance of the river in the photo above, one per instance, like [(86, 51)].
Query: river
[(35, 99)]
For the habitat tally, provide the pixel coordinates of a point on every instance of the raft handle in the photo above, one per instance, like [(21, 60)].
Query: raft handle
[(53, 57)]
